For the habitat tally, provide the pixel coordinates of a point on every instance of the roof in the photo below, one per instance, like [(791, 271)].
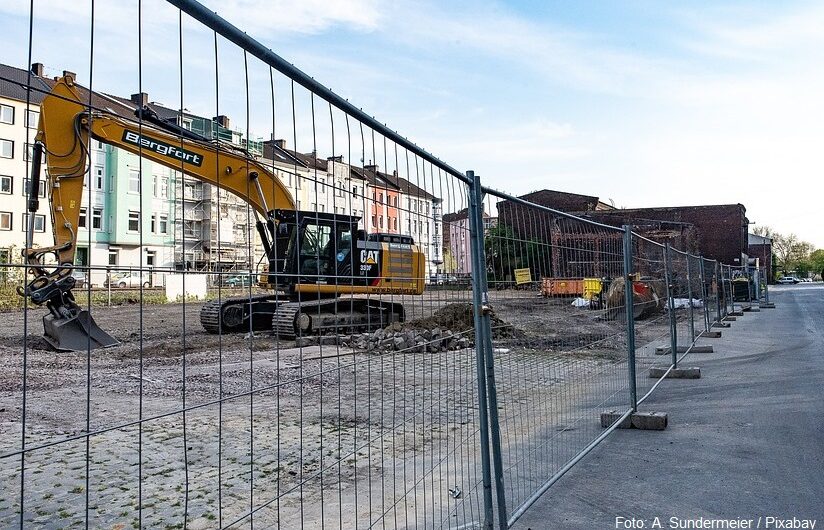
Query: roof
[(372, 177), (101, 102), (624, 211), (755, 239), (563, 201), (14, 84)]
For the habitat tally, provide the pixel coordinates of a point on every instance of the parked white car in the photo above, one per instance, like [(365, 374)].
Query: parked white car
[(788, 279), (128, 279)]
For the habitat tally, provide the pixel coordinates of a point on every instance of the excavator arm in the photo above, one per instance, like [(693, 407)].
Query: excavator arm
[(64, 134)]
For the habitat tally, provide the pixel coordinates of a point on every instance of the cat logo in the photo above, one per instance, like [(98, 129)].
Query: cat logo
[(369, 257)]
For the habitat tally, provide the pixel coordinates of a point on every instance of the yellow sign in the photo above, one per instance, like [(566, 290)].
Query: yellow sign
[(522, 276)]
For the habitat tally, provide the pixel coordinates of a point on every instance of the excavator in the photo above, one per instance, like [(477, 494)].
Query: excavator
[(321, 267)]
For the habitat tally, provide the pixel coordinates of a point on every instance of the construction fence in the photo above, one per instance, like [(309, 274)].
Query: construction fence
[(472, 342)]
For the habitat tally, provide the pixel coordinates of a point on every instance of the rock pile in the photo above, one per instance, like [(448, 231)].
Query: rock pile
[(394, 338), (452, 327)]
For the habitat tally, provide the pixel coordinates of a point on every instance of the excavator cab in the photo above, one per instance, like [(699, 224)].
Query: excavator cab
[(314, 248)]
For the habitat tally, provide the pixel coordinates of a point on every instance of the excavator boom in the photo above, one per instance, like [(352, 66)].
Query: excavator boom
[(64, 133)]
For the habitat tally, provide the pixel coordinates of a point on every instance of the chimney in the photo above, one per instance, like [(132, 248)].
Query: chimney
[(37, 69), (338, 158), (394, 172), (222, 120), (280, 143), (141, 99), (371, 167), (71, 75)]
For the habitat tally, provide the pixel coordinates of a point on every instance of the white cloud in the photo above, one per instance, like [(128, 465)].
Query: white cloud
[(265, 18)]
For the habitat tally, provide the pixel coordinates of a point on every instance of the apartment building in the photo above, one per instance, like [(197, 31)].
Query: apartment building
[(19, 115)]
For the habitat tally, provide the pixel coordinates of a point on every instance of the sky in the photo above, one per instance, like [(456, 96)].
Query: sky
[(641, 103)]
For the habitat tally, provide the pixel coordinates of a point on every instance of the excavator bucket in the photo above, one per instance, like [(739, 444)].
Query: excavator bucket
[(75, 333)]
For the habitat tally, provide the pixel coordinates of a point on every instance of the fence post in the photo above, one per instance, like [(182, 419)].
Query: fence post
[(476, 251), (766, 285), (689, 295), (718, 283), (491, 387), (671, 305), (630, 311)]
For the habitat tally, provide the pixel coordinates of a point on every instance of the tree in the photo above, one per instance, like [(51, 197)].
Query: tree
[(505, 252), (817, 262)]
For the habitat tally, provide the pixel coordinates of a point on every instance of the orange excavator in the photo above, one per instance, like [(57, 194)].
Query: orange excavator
[(321, 266)]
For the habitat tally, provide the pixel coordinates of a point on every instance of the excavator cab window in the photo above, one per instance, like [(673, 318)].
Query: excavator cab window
[(316, 251)]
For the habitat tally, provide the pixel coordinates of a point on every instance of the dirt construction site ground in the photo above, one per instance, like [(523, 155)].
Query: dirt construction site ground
[(321, 436)]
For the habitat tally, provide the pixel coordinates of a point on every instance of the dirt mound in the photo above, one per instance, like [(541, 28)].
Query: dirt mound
[(460, 317)]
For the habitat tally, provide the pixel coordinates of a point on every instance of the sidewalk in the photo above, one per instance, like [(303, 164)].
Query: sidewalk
[(744, 441)]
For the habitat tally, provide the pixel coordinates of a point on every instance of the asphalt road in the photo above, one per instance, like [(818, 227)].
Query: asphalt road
[(744, 441)]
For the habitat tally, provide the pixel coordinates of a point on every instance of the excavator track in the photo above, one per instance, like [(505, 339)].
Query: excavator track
[(236, 313), (338, 315)]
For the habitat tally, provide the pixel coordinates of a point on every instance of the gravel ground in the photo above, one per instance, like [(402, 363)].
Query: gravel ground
[(330, 437)]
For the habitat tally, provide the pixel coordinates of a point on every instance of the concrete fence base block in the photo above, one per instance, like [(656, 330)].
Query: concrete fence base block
[(730, 319), (647, 421), (720, 324), (611, 416), (663, 350), (692, 372), (710, 334), (752, 309), (736, 313), (767, 305)]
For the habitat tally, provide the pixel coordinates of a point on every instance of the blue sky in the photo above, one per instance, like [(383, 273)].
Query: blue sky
[(645, 103)]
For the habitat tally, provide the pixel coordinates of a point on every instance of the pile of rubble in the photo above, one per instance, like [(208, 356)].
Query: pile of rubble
[(394, 338), (449, 328)]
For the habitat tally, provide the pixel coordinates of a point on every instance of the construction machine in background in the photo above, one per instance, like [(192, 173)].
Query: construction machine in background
[(321, 266)]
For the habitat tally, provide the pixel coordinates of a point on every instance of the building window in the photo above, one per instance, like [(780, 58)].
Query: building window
[(40, 192), (355, 191), (32, 117), (395, 222), (5, 220), (134, 221), (6, 184), (6, 148), (150, 258), (134, 181), (7, 114), (154, 185), (112, 257), (163, 224), (374, 221), (153, 224), (98, 177), (97, 218), (380, 220), (39, 223), (323, 207), (164, 187), (81, 221), (28, 153)]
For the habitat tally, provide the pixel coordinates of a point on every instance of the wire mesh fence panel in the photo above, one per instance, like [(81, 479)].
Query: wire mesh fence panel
[(283, 287), (558, 333), (684, 299), (651, 313), (696, 290), (710, 282)]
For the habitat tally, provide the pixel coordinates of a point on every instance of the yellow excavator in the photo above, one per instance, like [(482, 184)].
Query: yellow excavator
[(319, 264)]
